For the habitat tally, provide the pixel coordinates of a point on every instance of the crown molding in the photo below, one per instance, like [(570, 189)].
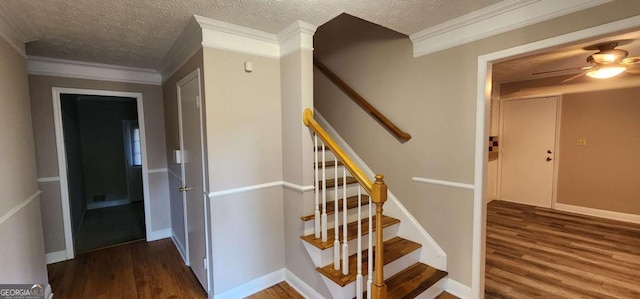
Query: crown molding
[(10, 30), (185, 46), (297, 36), (492, 20), (92, 71), (234, 38)]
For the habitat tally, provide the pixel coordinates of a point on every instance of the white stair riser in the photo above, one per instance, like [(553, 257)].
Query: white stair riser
[(352, 190), (352, 215), (390, 269), (322, 258)]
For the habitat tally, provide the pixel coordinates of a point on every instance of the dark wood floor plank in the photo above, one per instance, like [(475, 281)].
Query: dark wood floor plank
[(535, 252), (133, 270)]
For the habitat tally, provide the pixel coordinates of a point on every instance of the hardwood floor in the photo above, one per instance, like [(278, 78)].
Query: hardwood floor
[(133, 270), (541, 253), (279, 291)]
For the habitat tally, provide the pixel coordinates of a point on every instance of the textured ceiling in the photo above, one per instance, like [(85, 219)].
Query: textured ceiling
[(139, 33), (570, 58)]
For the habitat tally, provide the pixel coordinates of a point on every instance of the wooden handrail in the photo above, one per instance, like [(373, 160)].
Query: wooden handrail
[(383, 120), (377, 190)]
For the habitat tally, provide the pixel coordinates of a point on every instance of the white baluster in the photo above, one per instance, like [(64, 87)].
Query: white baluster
[(316, 219), (345, 246), (370, 252), (324, 197), (359, 254), (336, 225)]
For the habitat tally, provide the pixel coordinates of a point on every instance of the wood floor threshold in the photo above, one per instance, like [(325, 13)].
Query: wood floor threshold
[(394, 249), (352, 202), (352, 229)]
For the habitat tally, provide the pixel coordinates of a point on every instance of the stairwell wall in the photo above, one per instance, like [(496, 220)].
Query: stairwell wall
[(433, 98)]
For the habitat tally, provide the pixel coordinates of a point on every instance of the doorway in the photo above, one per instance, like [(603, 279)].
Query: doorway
[(102, 165)]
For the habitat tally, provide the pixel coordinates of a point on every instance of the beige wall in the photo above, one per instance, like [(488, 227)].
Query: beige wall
[(22, 248), (46, 154), (432, 97), (172, 133), (604, 174), (244, 148)]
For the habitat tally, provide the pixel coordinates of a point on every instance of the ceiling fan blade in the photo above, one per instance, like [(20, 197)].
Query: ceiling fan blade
[(576, 76), (633, 71), (631, 60), (562, 70)]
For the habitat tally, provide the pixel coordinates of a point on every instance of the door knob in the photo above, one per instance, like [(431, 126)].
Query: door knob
[(549, 159), (184, 189)]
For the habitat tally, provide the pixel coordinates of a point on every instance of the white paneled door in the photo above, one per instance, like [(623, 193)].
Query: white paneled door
[(528, 150), (193, 186)]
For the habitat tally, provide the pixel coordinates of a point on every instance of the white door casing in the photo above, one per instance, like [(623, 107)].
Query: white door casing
[(528, 150), (193, 175)]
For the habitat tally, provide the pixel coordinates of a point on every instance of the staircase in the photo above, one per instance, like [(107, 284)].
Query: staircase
[(351, 221)]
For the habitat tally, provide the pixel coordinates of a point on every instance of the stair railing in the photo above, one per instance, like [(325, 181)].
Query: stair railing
[(377, 190), (402, 136)]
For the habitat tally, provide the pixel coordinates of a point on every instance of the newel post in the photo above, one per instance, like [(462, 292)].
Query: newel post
[(379, 196)]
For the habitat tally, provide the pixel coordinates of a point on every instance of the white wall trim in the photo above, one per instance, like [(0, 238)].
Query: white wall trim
[(186, 45), (91, 71), (49, 179), (179, 246), (48, 293), (300, 286), (633, 218), (158, 170), (297, 187), (284, 184), (432, 253), (226, 36), (483, 100), (457, 289), (253, 286), (297, 36), (159, 234), (56, 256), (492, 20), (19, 206), (443, 183)]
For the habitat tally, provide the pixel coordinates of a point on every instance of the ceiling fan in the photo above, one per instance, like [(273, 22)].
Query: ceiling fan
[(606, 63)]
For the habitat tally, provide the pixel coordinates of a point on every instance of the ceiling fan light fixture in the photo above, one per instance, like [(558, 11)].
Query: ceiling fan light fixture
[(606, 71)]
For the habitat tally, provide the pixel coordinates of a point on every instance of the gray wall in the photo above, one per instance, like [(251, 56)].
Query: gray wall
[(46, 154), (22, 248), (72, 143), (432, 97), (244, 148)]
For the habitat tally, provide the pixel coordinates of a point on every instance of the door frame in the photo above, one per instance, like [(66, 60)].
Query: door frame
[(556, 149), (62, 157), (483, 103), (196, 74)]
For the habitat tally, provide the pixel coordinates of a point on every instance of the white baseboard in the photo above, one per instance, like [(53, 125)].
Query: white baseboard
[(300, 286), (48, 293), (159, 234), (598, 213), (107, 204), (253, 286), (56, 256), (180, 246), (458, 289)]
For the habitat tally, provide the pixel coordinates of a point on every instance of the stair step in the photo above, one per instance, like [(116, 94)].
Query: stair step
[(393, 250), (352, 229), (329, 163), (445, 295), (352, 202), (412, 281), (332, 183)]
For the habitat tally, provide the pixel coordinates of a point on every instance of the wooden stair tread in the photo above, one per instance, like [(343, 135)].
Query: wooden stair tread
[(352, 202), (352, 229), (331, 163), (393, 250), (331, 182), (445, 295), (412, 281)]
